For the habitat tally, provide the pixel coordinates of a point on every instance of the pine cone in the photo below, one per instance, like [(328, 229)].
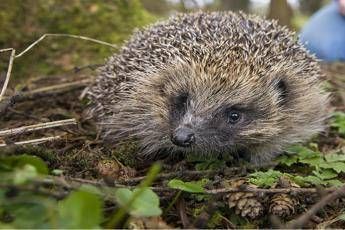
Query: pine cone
[(245, 204), (112, 170), (249, 207), (283, 205)]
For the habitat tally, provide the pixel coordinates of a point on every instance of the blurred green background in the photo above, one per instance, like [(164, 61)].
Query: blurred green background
[(24, 21)]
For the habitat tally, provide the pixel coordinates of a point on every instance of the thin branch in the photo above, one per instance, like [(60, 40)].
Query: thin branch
[(181, 207), (64, 86), (9, 70), (64, 35), (163, 176), (34, 141), (6, 50), (263, 190), (197, 173), (303, 219), (52, 90), (35, 127), (217, 191)]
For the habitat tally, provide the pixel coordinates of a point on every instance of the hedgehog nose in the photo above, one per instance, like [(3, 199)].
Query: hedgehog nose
[(183, 137)]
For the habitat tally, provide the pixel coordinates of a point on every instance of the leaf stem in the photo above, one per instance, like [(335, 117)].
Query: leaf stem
[(121, 213)]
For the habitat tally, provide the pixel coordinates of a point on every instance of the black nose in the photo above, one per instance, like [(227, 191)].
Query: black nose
[(183, 137)]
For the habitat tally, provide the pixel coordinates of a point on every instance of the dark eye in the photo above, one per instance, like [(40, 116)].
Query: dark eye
[(233, 116), (181, 100)]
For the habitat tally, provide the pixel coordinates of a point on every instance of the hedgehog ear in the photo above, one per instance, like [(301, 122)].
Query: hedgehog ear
[(281, 87)]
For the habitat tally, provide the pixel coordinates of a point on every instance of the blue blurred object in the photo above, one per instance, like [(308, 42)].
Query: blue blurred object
[(324, 34)]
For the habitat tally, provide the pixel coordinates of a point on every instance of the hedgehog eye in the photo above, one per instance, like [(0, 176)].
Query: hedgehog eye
[(233, 116), (181, 100), (179, 103)]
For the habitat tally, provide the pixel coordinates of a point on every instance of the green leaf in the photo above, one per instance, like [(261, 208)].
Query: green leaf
[(57, 172), (144, 205), (265, 179), (338, 122), (336, 166), (325, 174), (31, 212), (314, 180), (80, 209), (287, 159), (22, 175), (315, 161), (303, 152), (193, 187), (334, 157), (90, 189), (299, 180), (21, 160), (335, 183)]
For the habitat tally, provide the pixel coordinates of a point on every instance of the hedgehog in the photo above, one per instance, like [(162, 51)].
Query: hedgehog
[(210, 84)]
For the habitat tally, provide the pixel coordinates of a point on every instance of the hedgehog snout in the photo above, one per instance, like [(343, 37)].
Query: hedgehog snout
[(183, 137)]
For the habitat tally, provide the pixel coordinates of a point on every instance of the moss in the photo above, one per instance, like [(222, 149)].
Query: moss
[(126, 153)]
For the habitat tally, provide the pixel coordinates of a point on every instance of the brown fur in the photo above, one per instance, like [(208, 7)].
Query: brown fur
[(221, 61)]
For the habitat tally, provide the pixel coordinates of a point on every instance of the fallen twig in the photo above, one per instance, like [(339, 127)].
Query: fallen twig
[(181, 207), (268, 190), (35, 127), (215, 191), (303, 219), (9, 70), (64, 35), (163, 176), (53, 90), (33, 141), (59, 87), (198, 173)]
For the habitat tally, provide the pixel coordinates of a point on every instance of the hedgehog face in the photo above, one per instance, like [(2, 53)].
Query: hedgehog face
[(198, 109), (193, 107), (217, 118), (218, 127)]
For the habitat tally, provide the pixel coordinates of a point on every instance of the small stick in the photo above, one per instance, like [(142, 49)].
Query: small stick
[(300, 221), (64, 35), (49, 90), (181, 207), (68, 85), (9, 70), (263, 190), (217, 191), (34, 141), (6, 50), (197, 173), (39, 126)]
